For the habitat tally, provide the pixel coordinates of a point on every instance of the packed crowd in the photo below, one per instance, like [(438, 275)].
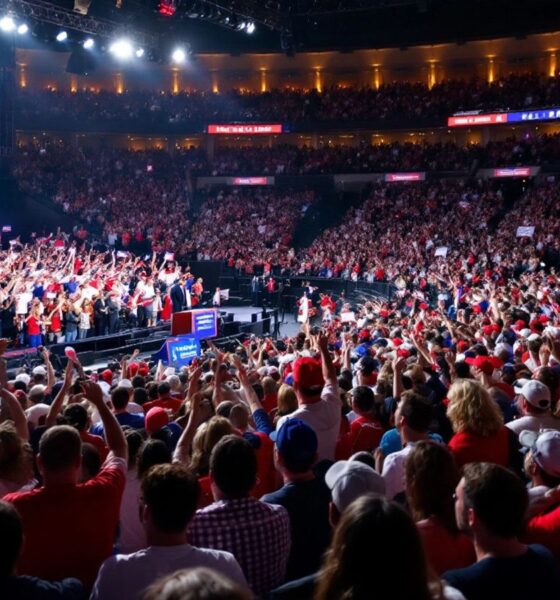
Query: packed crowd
[(398, 100), (379, 455), (249, 228), (415, 235), (131, 199), (59, 289)]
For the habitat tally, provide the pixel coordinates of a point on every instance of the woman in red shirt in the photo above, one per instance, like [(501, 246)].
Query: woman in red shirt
[(34, 323), (480, 435), (431, 479)]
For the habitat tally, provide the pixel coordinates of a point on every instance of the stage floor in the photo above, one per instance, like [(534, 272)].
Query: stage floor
[(289, 327)]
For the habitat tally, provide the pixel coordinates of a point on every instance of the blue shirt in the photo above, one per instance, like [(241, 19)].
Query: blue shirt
[(391, 441), (125, 419)]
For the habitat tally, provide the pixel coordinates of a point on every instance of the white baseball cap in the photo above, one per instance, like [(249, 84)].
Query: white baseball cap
[(545, 449), (535, 392), (348, 480), (39, 370)]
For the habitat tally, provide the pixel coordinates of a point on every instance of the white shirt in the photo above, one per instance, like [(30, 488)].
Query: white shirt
[(324, 418), (22, 300), (394, 471), (132, 534), (534, 423), (126, 576)]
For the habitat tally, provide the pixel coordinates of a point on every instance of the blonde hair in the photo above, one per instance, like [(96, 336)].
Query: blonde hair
[(471, 409), (206, 437), (287, 400)]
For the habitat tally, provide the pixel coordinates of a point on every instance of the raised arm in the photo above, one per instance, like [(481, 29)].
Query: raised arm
[(14, 407), (182, 453), (113, 432), (57, 402), (329, 370)]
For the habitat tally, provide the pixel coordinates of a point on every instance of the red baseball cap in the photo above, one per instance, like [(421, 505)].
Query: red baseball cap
[(308, 374), (133, 368), (487, 364), (107, 376), (155, 419)]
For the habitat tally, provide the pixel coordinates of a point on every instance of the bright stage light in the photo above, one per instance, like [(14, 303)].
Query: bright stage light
[(121, 49), (139, 53), (88, 44), (23, 29), (62, 36), (7, 24), (250, 28), (179, 56)]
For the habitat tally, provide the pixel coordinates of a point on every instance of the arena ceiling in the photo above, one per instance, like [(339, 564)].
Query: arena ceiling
[(299, 25)]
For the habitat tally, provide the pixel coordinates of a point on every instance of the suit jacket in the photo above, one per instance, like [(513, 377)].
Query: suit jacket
[(177, 296)]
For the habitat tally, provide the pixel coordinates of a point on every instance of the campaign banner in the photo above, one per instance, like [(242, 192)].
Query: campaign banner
[(413, 176), (245, 129), (204, 323), (182, 350), (6, 228), (512, 172), (481, 119), (169, 256), (525, 231)]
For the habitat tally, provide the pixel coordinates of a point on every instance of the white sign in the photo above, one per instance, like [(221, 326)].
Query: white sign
[(441, 251), (525, 231)]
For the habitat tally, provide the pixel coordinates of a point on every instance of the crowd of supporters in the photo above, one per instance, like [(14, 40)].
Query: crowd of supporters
[(380, 454), (393, 100), (404, 448)]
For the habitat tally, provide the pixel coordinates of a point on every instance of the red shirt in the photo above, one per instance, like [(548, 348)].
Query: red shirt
[(33, 326), (365, 434), (97, 442), (545, 530), (173, 404), (270, 402), (69, 529), (445, 550), (469, 447)]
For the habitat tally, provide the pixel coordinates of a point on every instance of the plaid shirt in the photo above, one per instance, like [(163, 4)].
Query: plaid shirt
[(257, 534)]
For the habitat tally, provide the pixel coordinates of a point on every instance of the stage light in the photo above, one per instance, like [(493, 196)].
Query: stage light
[(121, 49), (23, 29), (179, 56), (250, 28), (7, 24), (62, 36), (139, 53), (241, 26), (88, 44)]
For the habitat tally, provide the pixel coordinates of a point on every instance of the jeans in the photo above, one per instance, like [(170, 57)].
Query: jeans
[(71, 336), (35, 340), (82, 334)]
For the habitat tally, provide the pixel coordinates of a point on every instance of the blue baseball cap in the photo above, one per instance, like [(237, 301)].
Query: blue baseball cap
[(295, 441)]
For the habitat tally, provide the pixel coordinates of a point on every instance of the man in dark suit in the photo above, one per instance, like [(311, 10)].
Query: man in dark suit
[(113, 307), (101, 316), (178, 295)]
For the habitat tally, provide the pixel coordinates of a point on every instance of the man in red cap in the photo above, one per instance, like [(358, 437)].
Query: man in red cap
[(316, 388)]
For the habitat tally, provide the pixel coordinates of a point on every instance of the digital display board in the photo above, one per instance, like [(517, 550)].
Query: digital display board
[(523, 116), (394, 177), (250, 181), (245, 129), (483, 119), (512, 172)]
